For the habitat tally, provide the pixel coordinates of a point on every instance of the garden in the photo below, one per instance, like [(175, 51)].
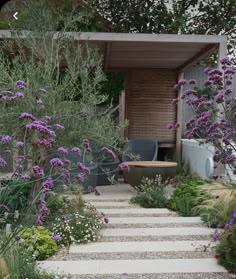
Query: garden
[(213, 200), (59, 130)]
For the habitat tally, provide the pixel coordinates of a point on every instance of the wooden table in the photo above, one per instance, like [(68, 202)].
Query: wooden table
[(140, 169)]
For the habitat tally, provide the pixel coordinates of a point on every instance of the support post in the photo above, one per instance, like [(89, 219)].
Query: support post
[(122, 112), (222, 53), (180, 121)]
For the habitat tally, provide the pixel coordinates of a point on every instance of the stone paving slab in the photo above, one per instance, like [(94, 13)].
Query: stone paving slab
[(133, 211), (154, 220), (114, 204), (133, 266), (138, 246), (187, 231)]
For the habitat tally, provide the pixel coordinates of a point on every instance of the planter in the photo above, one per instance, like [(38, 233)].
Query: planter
[(4, 273), (103, 172)]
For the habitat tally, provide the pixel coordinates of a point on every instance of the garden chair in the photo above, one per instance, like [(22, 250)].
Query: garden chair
[(144, 149)]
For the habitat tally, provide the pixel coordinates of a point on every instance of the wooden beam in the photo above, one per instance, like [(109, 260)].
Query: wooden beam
[(122, 112), (180, 121), (198, 57)]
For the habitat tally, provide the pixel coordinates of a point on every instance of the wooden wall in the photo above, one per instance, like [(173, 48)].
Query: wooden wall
[(148, 97)]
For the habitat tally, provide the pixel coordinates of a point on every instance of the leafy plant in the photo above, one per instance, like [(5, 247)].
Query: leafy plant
[(186, 197), (79, 227), (150, 193), (21, 263), (39, 241), (226, 252)]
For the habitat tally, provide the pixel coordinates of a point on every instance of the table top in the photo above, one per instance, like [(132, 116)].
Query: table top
[(152, 164)]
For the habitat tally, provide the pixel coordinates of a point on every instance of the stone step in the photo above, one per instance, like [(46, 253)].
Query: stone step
[(155, 220), (114, 204), (138, 246), (187, 231), (149, 266), (137, 212)]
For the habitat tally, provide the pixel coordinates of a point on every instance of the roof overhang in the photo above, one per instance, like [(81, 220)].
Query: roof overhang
[(130, 50)]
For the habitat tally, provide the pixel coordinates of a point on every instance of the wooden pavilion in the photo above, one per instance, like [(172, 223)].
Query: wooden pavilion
[(152, 64)]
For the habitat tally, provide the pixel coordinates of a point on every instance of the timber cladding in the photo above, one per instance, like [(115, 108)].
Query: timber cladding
[(148, 106)]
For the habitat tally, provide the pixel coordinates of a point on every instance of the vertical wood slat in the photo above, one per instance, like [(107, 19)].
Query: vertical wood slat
[(149, 94), (122, 112)]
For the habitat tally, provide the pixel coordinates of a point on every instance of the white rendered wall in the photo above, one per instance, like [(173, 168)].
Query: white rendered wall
[(194, 156)]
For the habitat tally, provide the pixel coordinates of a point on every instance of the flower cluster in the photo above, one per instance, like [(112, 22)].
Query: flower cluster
[(110, 152), (214, 109)]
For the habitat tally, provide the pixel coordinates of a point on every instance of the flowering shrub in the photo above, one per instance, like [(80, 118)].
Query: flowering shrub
[(79, 227), (39, 242), (225, 250), (214, 107), (150, 193)]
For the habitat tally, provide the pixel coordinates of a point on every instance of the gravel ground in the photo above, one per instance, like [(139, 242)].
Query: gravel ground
[(137, 256), (155, 238), (160, 276)]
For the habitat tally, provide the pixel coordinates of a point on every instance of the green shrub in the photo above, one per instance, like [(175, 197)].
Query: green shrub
[(186, 197), (150, 193), (21, 263), (226, 252), (79, 227), (38, 240)]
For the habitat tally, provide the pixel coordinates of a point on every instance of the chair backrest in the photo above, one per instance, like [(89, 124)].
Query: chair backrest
[(146, 150)]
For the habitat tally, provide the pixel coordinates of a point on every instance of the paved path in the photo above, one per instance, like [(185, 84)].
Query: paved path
[(141, 243)]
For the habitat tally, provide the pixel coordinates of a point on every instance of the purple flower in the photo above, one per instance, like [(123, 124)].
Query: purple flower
[(3, 163), (80, 177), (62, 150), (170, 126), (21, 84), (106, 220), (48, 143), (56, 237), (59, 127), (234, 213), (217, 236), (87, 170), (56, 162), (86, 145), (192, 81), (80, 166), (207, 83), (124, 166), (76, 150), (19, 95), (39, 221), (219, 98), (44, 211), (41, 128), (19, 144), (38, 171), (24, 177), (39, 102), (17, 238), (110, 152), (26, 115), (48, 184), (6, 138)]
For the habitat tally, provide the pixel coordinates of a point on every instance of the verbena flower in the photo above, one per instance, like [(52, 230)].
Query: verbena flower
[(19, 95), (76, 151), (43, 90), (21, 84), (80, 177), (6, 138), (26, 115), (59, 127), (110, 152), (47, 143), (124, 166), (38, 171), (19, 144), (56, 237), (3, 163), (39, 102), (41, 128), (62, 150), (56, 162)]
